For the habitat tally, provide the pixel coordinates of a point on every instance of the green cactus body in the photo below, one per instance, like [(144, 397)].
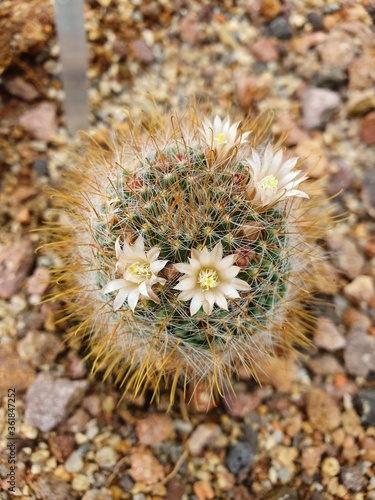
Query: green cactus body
[(183, 194)]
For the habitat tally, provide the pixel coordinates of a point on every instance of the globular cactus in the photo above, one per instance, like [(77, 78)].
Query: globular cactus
[(187, 252)]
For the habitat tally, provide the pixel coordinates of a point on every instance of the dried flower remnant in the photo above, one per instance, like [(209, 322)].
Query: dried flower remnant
[(187, 262)]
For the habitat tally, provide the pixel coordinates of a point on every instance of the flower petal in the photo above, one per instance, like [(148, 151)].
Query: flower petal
[(114, 285)]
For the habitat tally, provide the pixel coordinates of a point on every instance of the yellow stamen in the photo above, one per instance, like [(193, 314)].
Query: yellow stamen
[(138, 272), (220, 139), (269, 182), (208, 278)]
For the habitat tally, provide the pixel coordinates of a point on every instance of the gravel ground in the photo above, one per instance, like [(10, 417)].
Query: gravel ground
[(309, 431)]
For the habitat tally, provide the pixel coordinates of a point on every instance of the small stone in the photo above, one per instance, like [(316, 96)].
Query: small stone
[(346, 255), (354, 477), (242, 403), (38, 282), (154, 429), (330, 467), (328, 336), (251, 89), (367, 133), (368, 192), (270, 8), (203, 490), (314, 156), (77, 422), (225, 480), (316, 20), (279, 372), (361, 103), (40, 121), (106, 457), (337, 50), (23, 216), (80, 482), (202, 436), (240, 456), (324, 414), (19, 87), (40, 348), (74, 463), (14, 371), (142, 51), (145, 467), (40, 167), (189, 30), (317, 106), (280, 28), (264, 50), (342, 179), (359, 354), (94, 494), (326, 364), (61, 394), (61, 446), (365, 401), (16, 261), (362, 72), (361, 290), (47, 486), (92, 405), (175, 489)]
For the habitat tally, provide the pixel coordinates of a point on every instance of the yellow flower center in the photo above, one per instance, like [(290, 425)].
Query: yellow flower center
[(220, 139), (138, 272), (208, 278), (269, 182)]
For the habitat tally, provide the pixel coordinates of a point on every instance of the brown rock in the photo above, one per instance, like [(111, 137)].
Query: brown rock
[(311, 151), (311, 458), (47, 486), (61, 446), (337, 50), (189, 30), (21, 88), (327, 335), (324, 414), (301, 44), (142, 51), (154, 429), (16, 261), (203, 435), (242, 403), (145, 467), (92, 404), (368, 129), (318, 105), (279, 372), (361, 103), (269, 8), (14, 371), (40, 348), (40, 121), (285, 123), (359, 354), (368, 192), (77, 422), (38, 281), (346, 255), (251, 89), (49, 401), (361, 290), (362, 73), (225, 480), (203, 490), (325, 365), (264, 50), (175, 489)]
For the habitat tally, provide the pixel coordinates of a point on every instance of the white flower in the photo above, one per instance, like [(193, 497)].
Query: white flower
[(220, 135), (139, 270), (209, 279), (273, 180)]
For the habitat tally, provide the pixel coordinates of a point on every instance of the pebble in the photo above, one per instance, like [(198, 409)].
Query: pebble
[(317, 107), (46, 486), (346, 255), (323, 413), (264, 50), (16, 261), (74, 462), (224, 479), (49, 401), (280, 28), (80, 482), (354, 477), (175, 489), (19, 87), (326, 364), (251, 89), (142, 51), (330, 467), (106, 457), (361, 290), (239, 456), (38, 282), (311, 458), (40, 348), (362, 73), (279, 372), (14, 371), (154, 429), (337, 50), (269, 8), (95, 494), (203, 435), (365, 399), (242, 403), (189, 31), (316, 20), (40, 121), (61, 446), (327, 336), (145, 467), (77, 422), (368, 192), (203, 490), (367, 135), (92, 404), (359, 354)]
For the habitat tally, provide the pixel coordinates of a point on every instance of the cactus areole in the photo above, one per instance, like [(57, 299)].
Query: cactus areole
[(187, 249)]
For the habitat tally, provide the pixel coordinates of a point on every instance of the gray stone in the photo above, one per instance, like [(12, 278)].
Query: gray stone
[(240, 456), (359, 354), (16, 261), (317, 106)]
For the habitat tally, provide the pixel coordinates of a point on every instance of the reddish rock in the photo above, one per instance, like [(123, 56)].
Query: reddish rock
[(361, 290), (362, 73), (145, 467), (242, 403), (16, 261), (49, 401), (48, 486), (40, 121), (61, 446), (38, 281), (40, 348), (14, 371), (317, 106), (285, 123), (19, 87), (326, 364), (311, 458), (337, 51), (327, 335), (302, 44), (324, 414), (154, 429), (203, 490), (264, 50), (269, 8), (142, 51), (367, 133), (311, 151), (279, 372), (202, 436), (251, 88), (92, 404), (346, 255), (189, 30)]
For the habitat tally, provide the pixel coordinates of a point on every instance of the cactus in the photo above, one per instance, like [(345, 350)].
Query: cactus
[(187, 252)]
